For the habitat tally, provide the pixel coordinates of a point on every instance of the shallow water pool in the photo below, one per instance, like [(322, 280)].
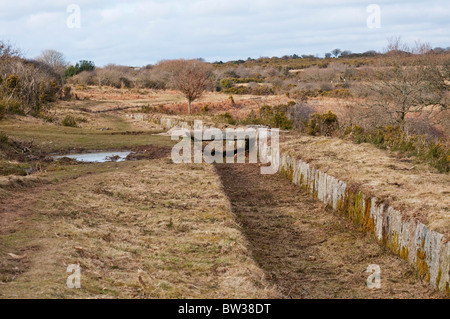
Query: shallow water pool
[(99, 157)]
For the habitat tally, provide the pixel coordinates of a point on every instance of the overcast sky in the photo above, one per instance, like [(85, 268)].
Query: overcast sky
[(137, 32)]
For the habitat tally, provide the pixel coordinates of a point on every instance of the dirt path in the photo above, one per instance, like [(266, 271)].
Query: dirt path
[(306, 250)]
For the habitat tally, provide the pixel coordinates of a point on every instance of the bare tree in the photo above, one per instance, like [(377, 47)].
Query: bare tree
[(336, 52), (54, 59), (190, 77), (7, 51), (408, 81)]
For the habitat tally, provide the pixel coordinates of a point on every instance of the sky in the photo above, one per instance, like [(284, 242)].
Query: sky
[(138, 33)]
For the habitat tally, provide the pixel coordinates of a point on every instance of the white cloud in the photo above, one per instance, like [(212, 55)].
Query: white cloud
[(138, 32)]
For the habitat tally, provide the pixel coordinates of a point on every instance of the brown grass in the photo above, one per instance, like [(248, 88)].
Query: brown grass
[(305, 249), (416, 190), (147, 229)]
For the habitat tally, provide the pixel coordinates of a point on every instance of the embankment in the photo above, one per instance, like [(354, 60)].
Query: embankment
[(407, 233)]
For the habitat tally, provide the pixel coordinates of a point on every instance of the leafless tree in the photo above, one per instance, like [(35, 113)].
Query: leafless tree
[(7, 51), (190, 77), (408, 81), (336, 52), (54, 59)]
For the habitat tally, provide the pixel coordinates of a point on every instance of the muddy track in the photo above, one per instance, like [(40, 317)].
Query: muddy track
[(306, 250)]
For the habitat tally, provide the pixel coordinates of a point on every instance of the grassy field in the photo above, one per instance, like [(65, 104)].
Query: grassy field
[(149, 228), (145, 229), (138, 229)]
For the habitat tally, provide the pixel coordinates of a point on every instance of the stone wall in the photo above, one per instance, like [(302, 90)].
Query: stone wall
[(408, 238)]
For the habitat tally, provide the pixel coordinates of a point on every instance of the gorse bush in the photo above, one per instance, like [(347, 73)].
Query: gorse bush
[(26, 86), (226, 83), (204, 109), (273, 116), (227, 118), (69, 121), (238, 90), (15, 107), (323, 124), (49, 91), (67, 92), (435, 153)]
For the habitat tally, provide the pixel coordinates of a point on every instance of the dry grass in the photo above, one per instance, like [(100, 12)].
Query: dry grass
[(100, 132), (414, 189), (306, 249), (153, 229), (106, 98), (148, 229)]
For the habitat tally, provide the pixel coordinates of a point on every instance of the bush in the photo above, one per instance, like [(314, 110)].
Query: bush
[(49, 91), (281, 121), (204, 109), (81, 66), (46, 117), (26, 85), (238, 90), (435, 153), (147, 109), (226, 83), (228, 118), (12, 81), (271, 116), (67, 92), (15, 107), (323, 124), (69, 121)]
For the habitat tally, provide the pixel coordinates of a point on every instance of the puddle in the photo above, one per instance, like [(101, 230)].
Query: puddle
[(99, 157)]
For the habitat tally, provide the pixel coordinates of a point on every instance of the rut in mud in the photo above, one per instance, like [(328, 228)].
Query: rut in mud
[(306, 250)]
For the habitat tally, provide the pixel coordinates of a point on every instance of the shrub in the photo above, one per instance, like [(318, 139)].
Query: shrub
[(67, 92), (262, 90), (81, 66), (231, 98), (226, 83), (46, 117), (27, 85), (15, 107), (228, 118), (435, 153), (12, 81), (238, 90), (340, 93), (271, 116), (69, 121), (281, 121), (323, 124), (49, 91), (204, 109), (147, 109)]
